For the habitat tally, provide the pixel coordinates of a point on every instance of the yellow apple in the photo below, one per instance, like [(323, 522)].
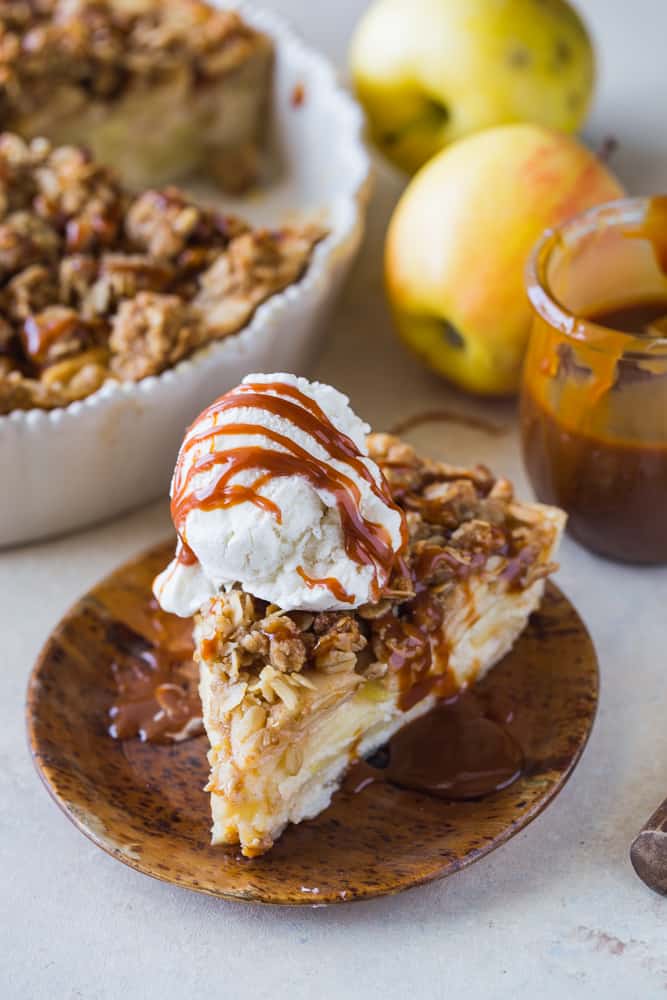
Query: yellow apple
[(458, 242), (431, 71)]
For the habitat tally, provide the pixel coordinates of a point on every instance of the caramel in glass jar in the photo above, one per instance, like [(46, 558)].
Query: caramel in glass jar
[(594, 396)]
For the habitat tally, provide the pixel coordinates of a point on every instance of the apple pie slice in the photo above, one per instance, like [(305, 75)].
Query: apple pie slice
[(291, 699)]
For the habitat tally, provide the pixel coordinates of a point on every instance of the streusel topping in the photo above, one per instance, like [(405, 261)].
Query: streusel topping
[(462, 521), (101, 47), (96, 283)]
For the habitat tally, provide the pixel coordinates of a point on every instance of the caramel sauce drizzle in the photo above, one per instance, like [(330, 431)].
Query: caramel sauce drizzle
[(654, 229), (415, 647), (331, 582), (432, 558), (365, 542)]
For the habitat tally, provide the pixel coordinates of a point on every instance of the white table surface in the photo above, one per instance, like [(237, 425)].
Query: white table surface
[(557, 912)]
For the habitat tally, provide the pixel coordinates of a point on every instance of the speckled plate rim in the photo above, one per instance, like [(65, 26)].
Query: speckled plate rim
[(49, 778)]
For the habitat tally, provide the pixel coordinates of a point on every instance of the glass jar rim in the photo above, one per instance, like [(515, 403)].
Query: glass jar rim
[(585, 331)]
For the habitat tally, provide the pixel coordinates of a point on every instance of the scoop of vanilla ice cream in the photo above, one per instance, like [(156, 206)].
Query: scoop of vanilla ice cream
[(247, 545)]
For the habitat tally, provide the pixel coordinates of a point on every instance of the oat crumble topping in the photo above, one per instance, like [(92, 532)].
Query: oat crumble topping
[(96, 283), (100, 47), (462, 522)]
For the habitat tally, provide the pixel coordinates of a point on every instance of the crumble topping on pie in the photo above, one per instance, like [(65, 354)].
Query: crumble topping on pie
[(97, 283), (101, 46), (462, 522)]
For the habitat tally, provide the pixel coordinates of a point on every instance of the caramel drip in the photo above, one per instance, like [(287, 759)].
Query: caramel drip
[(434, 558), (601, 348), (654, 229), (415, 647), (365, 542), (184, 553), (332, 584)]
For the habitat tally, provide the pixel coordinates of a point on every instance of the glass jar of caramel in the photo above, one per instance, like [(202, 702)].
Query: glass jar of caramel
[(594, 394)]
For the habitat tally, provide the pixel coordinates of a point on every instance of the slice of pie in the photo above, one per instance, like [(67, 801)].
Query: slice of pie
[(156, 89), (291, 699)]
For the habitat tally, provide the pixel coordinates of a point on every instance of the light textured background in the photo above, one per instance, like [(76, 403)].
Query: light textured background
[(556, 913)]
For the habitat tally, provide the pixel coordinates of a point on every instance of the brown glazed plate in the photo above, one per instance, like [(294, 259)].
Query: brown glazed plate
[(144, 803)]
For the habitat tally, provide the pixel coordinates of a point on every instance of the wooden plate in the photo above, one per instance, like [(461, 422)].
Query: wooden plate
[(144, 804)]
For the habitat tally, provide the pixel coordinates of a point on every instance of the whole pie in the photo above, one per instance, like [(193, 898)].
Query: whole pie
[(97, 282), (269, 493), (156, 89)]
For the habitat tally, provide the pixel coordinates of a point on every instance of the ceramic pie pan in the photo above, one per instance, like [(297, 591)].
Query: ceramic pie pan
[(145, 805)]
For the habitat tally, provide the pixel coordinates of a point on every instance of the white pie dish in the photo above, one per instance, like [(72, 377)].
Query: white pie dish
[(65, 468)]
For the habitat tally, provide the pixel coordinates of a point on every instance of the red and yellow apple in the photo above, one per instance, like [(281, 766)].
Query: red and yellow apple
[(459, 239), (432, 71)]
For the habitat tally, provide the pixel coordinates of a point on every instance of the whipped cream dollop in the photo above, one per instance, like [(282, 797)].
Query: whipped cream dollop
[(274, 491)]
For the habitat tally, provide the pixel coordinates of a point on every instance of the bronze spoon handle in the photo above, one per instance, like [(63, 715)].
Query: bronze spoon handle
[(649, 851)]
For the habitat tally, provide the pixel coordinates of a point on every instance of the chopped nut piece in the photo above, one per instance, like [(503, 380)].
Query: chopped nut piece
[(256, 643), (503, 490), (479, 536), (165, 223), (249, 723), (287, 654), (77, 274), (232, 697), (24, 240), (30, 291), (371, 611), (150, 333), (254, 266), (338, 631), (78, 376)]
